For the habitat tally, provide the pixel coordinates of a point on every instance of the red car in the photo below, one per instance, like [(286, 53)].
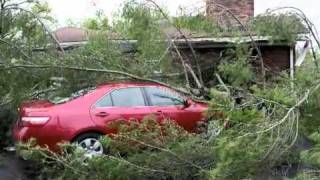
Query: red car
[(83, 118)]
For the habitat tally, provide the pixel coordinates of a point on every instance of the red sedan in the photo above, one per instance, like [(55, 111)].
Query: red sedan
[(84, 117)]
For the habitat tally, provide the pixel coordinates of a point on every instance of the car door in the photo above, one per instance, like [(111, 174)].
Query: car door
[(167, 104), (123, 104)]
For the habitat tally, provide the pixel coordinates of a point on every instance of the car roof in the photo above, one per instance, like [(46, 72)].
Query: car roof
[(129, 84)]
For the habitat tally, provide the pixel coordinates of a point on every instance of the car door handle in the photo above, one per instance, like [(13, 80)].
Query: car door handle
[(159, 113), (102, 114)]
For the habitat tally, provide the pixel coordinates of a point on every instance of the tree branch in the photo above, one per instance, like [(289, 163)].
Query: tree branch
[(184, 37), (15, 47), (284, 119), (42, 24), (94, 70), (253, 42)]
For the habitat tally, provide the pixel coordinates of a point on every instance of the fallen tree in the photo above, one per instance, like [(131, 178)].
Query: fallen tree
[(263, 119)]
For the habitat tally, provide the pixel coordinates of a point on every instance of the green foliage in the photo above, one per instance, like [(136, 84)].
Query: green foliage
[(282, 28), (310, 175), (144, 24), (307, 76), (151, 151), (23, 26), (236, 68), (238, 158), (239, 154), (138, 22), (100, 22), (311, 156), (198, 23), (238, 72), (252, 142), (18, 84), (20, 32), (158, 135), (277, 93)]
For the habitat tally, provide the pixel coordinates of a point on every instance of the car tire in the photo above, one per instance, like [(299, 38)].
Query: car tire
[(90, 143)]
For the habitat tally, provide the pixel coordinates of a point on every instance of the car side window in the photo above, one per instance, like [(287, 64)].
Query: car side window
[(104, 102), (162, 97), (128, 97)]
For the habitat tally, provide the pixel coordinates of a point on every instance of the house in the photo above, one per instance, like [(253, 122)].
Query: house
[(277, 57)]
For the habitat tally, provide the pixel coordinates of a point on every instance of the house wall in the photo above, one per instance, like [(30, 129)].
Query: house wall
[(276, 60)]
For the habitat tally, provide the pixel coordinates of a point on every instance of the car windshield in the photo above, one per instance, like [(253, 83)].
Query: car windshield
[(74, 95)]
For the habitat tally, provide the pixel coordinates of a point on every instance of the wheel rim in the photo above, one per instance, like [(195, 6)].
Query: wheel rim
[(91, 146)]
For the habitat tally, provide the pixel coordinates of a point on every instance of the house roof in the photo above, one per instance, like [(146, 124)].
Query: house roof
[(71, 34), (70, 37)]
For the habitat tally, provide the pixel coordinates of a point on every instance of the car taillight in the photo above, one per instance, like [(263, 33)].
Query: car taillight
[(34, 121)]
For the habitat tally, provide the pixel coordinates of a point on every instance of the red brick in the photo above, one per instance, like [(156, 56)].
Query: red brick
[(243, 9)]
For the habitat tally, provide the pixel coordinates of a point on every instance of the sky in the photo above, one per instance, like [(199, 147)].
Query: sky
[(77, 10)]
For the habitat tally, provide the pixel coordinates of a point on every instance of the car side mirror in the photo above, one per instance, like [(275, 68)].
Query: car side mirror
[(187, 103)]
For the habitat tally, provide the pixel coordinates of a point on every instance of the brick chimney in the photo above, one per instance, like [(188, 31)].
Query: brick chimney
[(242, 9)]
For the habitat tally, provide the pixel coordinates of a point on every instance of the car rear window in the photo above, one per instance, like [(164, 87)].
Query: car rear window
[(74, 95)]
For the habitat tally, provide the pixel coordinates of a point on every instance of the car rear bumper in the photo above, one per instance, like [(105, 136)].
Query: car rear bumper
[(21, 134), (43, 136)]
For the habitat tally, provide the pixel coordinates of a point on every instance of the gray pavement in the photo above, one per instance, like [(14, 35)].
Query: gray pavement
[(14, 168)]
